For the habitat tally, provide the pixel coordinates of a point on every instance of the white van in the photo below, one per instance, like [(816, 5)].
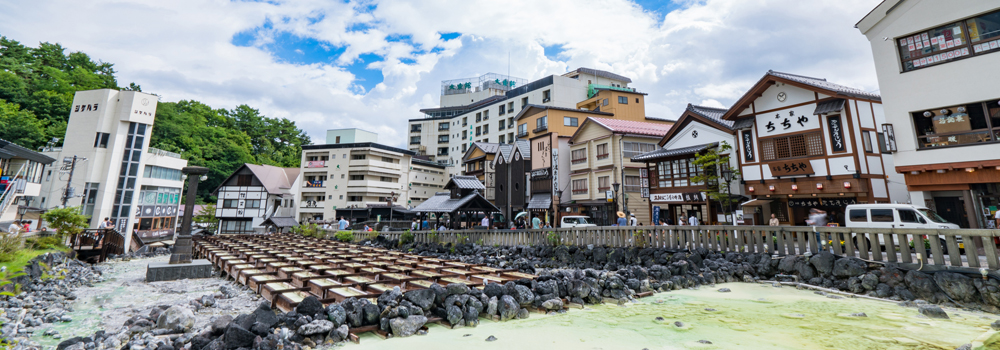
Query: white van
[(575, 221), (896, 216)]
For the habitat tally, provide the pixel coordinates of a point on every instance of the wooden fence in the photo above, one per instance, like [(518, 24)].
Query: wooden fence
[(937, 248)]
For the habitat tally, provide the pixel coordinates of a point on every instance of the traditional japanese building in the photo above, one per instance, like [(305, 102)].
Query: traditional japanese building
[(478, 162), (805, 143), (512, 164)]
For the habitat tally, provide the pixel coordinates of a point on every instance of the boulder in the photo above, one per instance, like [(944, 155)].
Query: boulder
[(921, 285), (264, 315), (310, 306), (457, 289), (237, 337), (176, 317), (220, 324), (493, 289), (336, 314), (454, 314), (316, 327), (523, 295), (823, 262), (958, 287), (553, 304), (491, 306), (849, 267), (507, 307), (371, 313), (932, 311), (405, 327), (424, 298)]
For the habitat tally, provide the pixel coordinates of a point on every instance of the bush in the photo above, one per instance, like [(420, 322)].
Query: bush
[(308, 230), (552, 238), (344, 236), (10, 244), (44, 243), (406, 238)]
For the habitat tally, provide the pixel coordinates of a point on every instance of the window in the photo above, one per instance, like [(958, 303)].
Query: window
[(252, 204), (542, 123), (486, 129), (794, 146), (465, 121), (486, 114), (510, 137), (479, 117), (866, 139), (415, 128), (524, 102), (510, 122), (244, 180), (443, 126), (580, 186), (677, 173), (501, 124), (503, 109), (546, 96), (510, 108), (357, 177), (605, 102), (968, 124), (906, 215), (882, 215), (603, 183), (632, 149), (501, 139), (578, 156), (230, 203), (636, 100), (357, 156), (101, 140), (622, 100), (570, 121), (632, 184), (414, 140), (337, 140), (958, 40), (859, 215), (522, 130), (443, 151), (353, 198), (155, 172), (602, 151), (464, 147), (479, 130), (386, 179), (442, 138)]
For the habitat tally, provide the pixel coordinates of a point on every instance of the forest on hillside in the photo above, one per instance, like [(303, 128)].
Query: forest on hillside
[(37, 85)]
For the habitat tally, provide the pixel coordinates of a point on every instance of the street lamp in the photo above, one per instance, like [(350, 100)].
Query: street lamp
[(182, 248), (729, 176), (615, 186), (392, 198)]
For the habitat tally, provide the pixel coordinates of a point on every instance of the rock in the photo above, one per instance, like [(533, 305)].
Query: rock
[(679, 324), (823, 262), (491, 306), (921, 285), (932, 311), (703, 341), (66, 343), (237, 337), (522, 314), (176, 317), (457, 289), (491, 338), (552, 304), (454, 314), (995, 325), (220, 324), (508, 308), (405, 327), (310, 306), (265, 316), (724, 290), (849, 267), (370, 312), (341, 333), (523, 295), (958, 287), (424, 298), (336, 314), (316, 327), (493, 289), (858, 314), (208, 300)]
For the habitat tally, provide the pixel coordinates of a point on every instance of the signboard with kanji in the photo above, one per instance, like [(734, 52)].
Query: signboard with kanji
[(790, 167)]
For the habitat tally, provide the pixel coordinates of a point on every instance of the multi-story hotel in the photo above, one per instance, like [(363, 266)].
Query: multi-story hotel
[(941, 102)]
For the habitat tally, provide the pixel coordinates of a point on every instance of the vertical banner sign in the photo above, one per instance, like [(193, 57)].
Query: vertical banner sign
[(656, 215), (555, 174), (748, 146), (890, 137), (836, 133), (644, 183)]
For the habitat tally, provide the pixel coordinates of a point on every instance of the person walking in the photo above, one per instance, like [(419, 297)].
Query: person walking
[(414, 225), (14, 227), (536, 223), (693, 220), (632, 220), (342, 224), (817, 218), (486, 221), (774, 221), (621, 220)]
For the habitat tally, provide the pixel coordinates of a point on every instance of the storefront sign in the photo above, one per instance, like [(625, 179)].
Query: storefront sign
[(677, 197), (889, 138), (644, 183), (836, 133), (748, 146), (788, 121), (821, 202), (609, 195), (555, 172), (786, 168), (540, 174), (656, 215)]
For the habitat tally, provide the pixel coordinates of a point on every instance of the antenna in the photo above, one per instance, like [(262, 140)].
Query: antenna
[(508, 63)]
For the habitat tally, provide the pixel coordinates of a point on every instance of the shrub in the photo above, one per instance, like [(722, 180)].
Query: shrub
[(406, 238), (66, 221), (552, 237), (44, 243), (10, 244), (344, 236), (308, 230)]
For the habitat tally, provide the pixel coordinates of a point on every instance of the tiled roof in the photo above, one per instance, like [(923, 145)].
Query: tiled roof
[(488, 147), (823, 84), (281, 222), (14, 150), (603, 74), (465, 182), (442, 202), (835, 105), (743, 123), (524, 147), (662, 152), (505, 152), (275, 180), (632, 127), (712, 113)]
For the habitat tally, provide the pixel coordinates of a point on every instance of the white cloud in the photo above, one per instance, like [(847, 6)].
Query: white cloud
[(708, 51)]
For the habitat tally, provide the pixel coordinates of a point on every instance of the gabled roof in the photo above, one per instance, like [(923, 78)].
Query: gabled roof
[(465, 182), (600, 73), (523, 148), (277, 181), (627, 127), (533, 107), (442, 202), (9, 150), (280, 222), (808, 83), (706, 115), (486, 147), (663, 152), (504, 153)]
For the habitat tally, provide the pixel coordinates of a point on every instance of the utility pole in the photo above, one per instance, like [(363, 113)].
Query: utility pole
[(69, 182)]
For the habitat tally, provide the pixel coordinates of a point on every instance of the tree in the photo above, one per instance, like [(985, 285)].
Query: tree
[(20, 126), (207, 217), (66, 221), (714, 162)]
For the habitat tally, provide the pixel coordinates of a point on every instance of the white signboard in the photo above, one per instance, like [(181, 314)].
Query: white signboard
[(609, 195), (666, 197), (787, 121)]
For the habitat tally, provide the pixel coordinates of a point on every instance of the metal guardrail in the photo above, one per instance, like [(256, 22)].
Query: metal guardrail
[(935, 248)]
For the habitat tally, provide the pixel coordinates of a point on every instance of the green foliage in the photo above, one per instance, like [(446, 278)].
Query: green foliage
[(44, 243), (20, 126), (207, 216), (927, 244), (344, 236), (406, 238), (433, 237), (461, 239), (713, 160), (308, 230), (66, 221), (372, 235), (552, 237), (10, 245), (639, 238)]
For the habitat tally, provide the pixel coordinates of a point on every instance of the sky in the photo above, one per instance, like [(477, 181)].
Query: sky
[(374, 64)]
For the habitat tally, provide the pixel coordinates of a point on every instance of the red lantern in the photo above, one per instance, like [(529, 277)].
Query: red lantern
[(847, 184)]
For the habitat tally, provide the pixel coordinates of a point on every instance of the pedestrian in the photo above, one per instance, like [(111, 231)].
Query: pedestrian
[(621, 220), (486, 221), (414, 225), (817, 218), (632, 221), (670, 222), (425, 224), (997, 217), (103, 224), (14, 227), (342, 224), (774, 221), (536, 222), (680, 220), (693, 220), (367, 228)]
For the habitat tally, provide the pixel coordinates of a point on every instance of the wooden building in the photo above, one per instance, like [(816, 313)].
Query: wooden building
[(512, 164)]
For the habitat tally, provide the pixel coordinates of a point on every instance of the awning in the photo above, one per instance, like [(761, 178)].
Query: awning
[(540, 201), (755, 203), (830, 106)]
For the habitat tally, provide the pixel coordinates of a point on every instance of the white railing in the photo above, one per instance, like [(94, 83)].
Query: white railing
[(160, 152), (10, 192)]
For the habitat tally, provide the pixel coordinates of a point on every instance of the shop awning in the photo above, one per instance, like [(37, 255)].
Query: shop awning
[(755, 203), (540, 201), (831, 106)]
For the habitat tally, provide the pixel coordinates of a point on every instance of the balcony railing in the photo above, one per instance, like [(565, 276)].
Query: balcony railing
[(522, 133), (312, 204), (313, 184), (580, 191)]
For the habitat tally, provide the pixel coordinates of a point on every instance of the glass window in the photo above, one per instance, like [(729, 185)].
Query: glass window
[(623, 100), (957, 125), (882, 215), (632, 184), (866, 140), (906, 215), (859, 215), (579, 156), (632, 149), (542, 123), (570, 121), (794, 146), (580, 186), (602, 151)]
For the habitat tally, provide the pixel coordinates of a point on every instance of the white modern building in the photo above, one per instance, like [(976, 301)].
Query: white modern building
[(941, 101), (21, 173), (255, 193), (483, 109), (115, 171), (356, 175)]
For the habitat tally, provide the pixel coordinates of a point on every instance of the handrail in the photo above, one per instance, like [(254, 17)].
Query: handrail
[(6, 198)]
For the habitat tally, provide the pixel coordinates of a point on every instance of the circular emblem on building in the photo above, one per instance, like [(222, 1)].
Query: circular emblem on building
[(694, 133), (782, 96), (144, 102)]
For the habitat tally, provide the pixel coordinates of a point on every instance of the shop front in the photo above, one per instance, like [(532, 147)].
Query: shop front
[(600, 212), (966, 193), (790, 201), (679, 207)]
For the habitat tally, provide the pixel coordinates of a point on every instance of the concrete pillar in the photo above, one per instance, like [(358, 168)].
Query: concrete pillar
[(970, 209)]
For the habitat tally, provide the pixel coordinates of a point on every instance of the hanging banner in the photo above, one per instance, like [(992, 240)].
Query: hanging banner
[(836, 133), (656, 215), (748, 146)]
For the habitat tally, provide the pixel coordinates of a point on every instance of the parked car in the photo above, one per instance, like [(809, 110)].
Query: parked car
[(896, 216), (575, 221)]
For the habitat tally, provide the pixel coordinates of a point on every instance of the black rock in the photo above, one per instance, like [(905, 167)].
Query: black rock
[(457, 289), (958, 287), (424, 298), (371, 313), (703, 341), (491, 338), (823, 262), (310, 306), (932, 311), (245, 321), (237, 337), (265, 316), (849, 267), (454, 315), (197, 343), (995, 325), (66, 343), (493, 290), (336, 314)]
